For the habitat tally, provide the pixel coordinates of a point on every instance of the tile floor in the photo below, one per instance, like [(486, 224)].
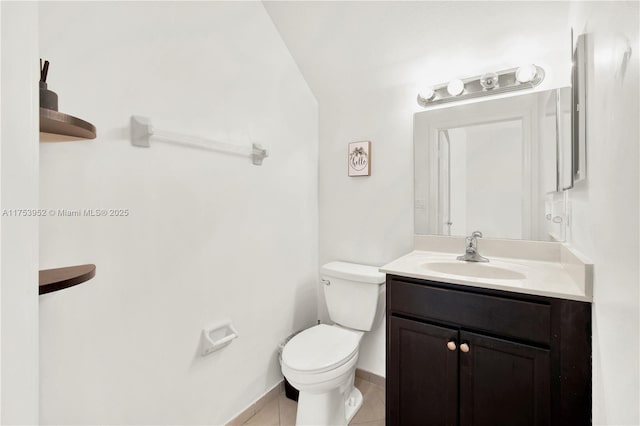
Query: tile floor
[(281, 411)]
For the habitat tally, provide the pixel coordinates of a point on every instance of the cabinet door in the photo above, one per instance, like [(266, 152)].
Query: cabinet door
[(422, 379), (503, 383)]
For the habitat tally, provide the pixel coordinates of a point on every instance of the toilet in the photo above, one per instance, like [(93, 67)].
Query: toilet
[(321, 361)]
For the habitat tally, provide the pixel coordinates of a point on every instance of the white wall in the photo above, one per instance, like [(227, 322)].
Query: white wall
[(605, 207), (19, 236), (209, 236)]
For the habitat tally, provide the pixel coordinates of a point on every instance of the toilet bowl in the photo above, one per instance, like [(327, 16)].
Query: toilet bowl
[(320, 362)]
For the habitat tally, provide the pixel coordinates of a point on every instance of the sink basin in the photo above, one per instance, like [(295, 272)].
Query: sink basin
[(474, 270)]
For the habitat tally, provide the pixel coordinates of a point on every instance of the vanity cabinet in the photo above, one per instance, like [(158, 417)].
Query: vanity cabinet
[(459, 355)]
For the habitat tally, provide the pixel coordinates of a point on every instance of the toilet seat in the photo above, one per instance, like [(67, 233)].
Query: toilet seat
[(320, 348)]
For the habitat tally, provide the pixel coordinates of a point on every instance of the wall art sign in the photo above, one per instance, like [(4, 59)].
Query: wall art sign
[(360, 158)]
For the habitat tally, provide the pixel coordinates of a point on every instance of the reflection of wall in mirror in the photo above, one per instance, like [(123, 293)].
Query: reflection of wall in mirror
[(486, 179)]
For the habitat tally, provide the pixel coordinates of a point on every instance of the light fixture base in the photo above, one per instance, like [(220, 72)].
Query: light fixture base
[(506, 82)]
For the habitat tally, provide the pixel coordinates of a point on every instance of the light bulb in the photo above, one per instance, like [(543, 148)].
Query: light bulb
[(455, 87), (526, 73), (427, 94)]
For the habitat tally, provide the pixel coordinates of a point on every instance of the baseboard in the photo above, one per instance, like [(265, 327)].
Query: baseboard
[(371, 377), (244, 416)]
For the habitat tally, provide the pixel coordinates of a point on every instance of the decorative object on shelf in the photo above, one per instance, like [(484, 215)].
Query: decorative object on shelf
[(217, 336), (142, 130), (60, 278), (359, 159), (56, 126), (525, 77)]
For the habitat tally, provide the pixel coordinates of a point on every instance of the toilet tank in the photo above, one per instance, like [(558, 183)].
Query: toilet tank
[(354, 294)]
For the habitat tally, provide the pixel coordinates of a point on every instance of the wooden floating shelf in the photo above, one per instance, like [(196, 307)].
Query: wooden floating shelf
[(60, 127), (61, 278)]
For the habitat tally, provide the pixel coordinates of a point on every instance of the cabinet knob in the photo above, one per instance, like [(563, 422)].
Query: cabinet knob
[(451, 345), (464, 347)]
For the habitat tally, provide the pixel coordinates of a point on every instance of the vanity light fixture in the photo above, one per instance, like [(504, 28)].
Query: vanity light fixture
[(491, 83)]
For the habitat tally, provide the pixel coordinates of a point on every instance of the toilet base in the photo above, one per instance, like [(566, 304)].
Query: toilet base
[(353, 403), (328, 409)]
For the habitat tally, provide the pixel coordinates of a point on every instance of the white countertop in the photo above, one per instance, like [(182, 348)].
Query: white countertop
[(565, 276)]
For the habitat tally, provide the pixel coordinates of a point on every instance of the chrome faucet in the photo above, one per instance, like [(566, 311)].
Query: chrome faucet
[(471, 249)]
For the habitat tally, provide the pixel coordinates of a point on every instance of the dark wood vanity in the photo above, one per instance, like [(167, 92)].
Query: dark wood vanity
[(461, 355)]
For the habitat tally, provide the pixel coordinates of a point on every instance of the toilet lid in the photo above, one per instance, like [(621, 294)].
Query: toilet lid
[(320, 348)]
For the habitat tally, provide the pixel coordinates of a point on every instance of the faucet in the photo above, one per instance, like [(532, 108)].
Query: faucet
[(471, 249)]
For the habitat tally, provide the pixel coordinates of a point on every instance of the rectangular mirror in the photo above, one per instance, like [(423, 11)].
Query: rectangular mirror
[(495, 166)]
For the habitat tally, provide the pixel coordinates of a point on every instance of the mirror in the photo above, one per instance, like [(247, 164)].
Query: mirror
[(494, 166), (578, 161)]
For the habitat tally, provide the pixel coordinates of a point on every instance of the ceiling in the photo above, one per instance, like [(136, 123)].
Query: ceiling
[(342, 46)]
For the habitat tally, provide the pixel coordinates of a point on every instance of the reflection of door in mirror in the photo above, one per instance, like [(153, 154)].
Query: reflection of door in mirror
[(444, 180), (489, 166)]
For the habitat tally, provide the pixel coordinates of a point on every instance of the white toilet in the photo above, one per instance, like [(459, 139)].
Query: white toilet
[(321, 361)]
